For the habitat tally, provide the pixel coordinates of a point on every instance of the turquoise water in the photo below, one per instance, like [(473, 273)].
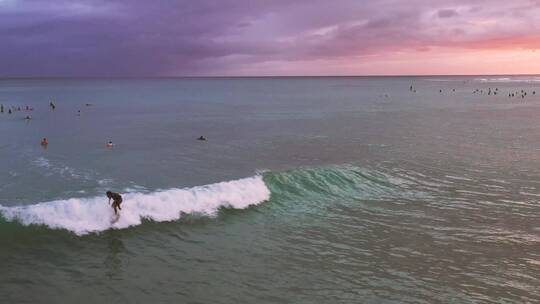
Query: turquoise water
[(308, 190)]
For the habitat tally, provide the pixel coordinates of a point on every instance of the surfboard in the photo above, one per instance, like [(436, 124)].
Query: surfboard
[(115, 218)]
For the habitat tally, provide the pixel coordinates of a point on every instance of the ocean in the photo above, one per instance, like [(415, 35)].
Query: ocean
[(307, 190)]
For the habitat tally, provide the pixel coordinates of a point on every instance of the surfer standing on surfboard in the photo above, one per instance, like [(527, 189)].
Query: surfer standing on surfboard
[(117, 200)]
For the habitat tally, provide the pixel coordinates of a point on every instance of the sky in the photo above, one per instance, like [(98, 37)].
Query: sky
[(153, 38)]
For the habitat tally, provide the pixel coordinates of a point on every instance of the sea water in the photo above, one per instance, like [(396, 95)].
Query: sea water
[(307, 190)]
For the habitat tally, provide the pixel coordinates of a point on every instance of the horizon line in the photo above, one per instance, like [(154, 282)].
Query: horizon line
[(256, 76)]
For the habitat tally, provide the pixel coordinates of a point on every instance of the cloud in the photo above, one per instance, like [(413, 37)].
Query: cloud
[(182, 37), (447, 13)]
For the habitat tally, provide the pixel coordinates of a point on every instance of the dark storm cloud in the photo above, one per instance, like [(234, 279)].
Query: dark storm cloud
[(447, 13), (166, 37)]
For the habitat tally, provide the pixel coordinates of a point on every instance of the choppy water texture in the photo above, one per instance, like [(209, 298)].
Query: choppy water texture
[(308, 190)]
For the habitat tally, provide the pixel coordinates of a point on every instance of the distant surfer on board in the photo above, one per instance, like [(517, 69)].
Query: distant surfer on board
[(117, 200)]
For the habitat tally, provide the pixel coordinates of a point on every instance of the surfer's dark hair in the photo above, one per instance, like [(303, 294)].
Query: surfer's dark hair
[(109, 193)]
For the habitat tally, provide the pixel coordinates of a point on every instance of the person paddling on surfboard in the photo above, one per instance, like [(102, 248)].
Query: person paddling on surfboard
[(117, 200)]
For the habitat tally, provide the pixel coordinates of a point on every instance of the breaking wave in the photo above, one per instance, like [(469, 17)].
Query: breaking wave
[(86, 215), (526, 79)]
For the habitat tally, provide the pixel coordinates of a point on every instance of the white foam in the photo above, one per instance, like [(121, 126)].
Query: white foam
[(42, 162), (63, 170), (508, 79), (86, 215)]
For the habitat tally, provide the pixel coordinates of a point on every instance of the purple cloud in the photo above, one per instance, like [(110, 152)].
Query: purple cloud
[(447, 13), (167, 37)]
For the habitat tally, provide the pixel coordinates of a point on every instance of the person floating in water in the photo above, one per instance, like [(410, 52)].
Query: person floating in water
[(53, 106), (201, 138), (109, 144), (117, 200), (44, 142), (1, 108)]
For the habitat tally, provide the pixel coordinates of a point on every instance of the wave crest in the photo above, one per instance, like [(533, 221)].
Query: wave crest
[(527, 79), (86, 215)]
